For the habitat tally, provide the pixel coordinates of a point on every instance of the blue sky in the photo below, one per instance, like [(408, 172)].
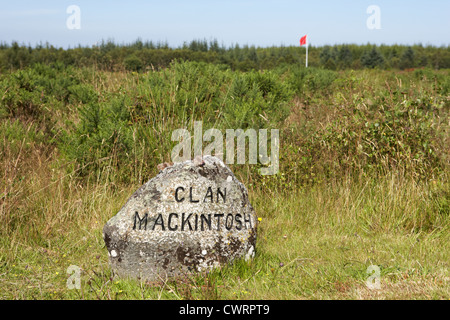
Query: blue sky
[(252, 22)]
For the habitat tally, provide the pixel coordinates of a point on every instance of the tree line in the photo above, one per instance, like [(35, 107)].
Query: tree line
[(142, 56)]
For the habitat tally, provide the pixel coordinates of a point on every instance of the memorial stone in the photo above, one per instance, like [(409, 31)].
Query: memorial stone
[(191, 217)]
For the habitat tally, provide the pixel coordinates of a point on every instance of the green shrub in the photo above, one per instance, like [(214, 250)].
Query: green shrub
[(256, 99), (103, 134), (23, 95), (368, 140), (56, 79), (82, 93), (17, 136), (27, 91), (133, 63), (311, 80), (197, 88)]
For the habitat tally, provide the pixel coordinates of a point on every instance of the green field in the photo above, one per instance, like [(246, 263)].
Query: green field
[(363, 180)]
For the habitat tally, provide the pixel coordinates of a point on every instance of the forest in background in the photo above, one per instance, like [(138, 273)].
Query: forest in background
[(145, 55)]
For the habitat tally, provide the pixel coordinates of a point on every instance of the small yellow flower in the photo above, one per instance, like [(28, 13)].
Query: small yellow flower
[(259, 219)]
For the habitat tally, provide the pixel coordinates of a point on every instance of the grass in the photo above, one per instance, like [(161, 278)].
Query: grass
[(314, 244), (330, 213)]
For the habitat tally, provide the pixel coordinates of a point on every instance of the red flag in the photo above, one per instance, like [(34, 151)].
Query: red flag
[(302, 41)]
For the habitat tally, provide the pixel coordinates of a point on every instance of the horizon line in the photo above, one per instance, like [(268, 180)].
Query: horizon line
[(165, 43)]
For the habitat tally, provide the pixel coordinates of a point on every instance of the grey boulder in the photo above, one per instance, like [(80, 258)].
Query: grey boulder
[(193, 216)]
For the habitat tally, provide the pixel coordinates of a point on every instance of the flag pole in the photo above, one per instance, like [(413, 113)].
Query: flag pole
[(306, 51)]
